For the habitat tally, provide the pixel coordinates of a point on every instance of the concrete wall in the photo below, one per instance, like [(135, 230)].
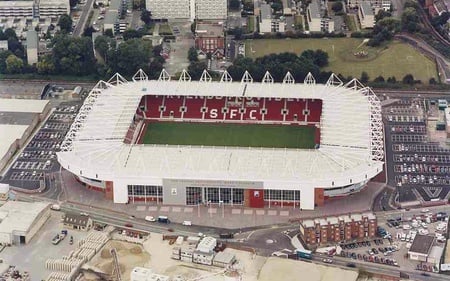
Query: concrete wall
[(37, 224)]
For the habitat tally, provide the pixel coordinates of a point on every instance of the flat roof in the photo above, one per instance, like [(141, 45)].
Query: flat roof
[(23, 105), (367, 8), (308, 223), (17, 118), (266, 11), (209, 30), (21, 4), (314, 9), (9, 134), (436, 252), (422, 244), (32, 39), (225, 256), (19, 216)]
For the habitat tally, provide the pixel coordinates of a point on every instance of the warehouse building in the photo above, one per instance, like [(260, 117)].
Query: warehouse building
[(19, 221), (421, 247)]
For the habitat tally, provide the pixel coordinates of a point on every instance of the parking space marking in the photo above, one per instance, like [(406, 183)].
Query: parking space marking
[(260, 212), (176, 209), (284, 213), (248, 212), (153, 208), (188, 209), (141, 208), (272, 212)]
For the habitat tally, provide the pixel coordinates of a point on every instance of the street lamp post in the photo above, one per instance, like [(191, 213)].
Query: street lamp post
[(223, 208), (210, 211)]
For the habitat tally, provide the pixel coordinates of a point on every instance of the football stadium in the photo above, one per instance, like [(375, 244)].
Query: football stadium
[(255, 144)]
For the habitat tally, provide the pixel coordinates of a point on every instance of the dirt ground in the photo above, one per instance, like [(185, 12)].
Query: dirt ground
[(130, 255)]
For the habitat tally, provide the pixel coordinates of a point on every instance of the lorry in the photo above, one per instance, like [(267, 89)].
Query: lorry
[(304, 254), (59, 237)]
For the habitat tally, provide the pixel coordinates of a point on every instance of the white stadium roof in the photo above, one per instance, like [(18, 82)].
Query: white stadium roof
[(351, 148)]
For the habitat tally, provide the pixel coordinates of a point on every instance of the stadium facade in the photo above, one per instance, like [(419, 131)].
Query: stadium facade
[(103, 150)]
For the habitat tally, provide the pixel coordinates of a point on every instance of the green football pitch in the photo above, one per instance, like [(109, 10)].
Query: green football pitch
[(208, 134)]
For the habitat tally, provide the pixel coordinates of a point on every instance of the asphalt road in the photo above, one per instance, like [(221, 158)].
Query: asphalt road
[(79, 28)]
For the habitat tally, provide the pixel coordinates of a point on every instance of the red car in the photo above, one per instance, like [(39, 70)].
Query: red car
[(128, 225)]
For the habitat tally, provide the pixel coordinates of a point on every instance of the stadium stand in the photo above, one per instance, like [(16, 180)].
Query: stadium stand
[(193, 107), (172, 106), (153, 104), (314, 109), (295, 110)]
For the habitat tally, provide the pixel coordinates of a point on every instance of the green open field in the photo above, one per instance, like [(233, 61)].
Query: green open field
[(396, 59), (278, 136)]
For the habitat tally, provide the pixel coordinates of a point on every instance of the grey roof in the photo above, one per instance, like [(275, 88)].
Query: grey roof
[(314, 8), (224, 257), (367, 8), (422, 244), (76, 219), (114, 5), (436, 252), (111, 17), (32, 39), (266, 11), (308, 223)]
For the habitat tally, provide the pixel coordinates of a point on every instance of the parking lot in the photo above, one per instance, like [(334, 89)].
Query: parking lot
[(399, 234), (38, 160), (417, 167)]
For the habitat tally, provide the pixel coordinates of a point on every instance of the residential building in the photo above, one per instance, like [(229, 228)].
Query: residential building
[(382, 4), (32, 47), (224, 259), (338, 229), (34, 9), (52, 8), (77, 221), (366, 15), (210, 38), (267, 23), (421, 247), (17, 9), (316, 21), (188, 9), (210, 9), (170, 9)]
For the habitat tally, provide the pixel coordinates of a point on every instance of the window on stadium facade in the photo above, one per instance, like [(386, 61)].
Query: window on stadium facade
[(281, 195), (217, 195), (193, 195), (145, 191)]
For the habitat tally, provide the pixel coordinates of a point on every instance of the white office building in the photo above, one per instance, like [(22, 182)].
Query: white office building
[(188, 9), (317, 22), (267, 23), (366, 15), (34, 9)]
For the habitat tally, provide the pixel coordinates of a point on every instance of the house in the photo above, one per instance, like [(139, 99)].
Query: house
[(32, 47), (224, 259), (421, 247), (76, 221), (366, 15), (267, 23), (210, 39), (316, 21)]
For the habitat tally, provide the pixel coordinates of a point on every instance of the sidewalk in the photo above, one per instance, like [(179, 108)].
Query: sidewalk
[(214, 215)]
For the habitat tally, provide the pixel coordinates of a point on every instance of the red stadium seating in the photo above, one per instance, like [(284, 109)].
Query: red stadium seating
[(172, 106), (253, 109), (274, 108), (193, 107), (153, 105), (214, 106), (295, 109), (315, 110), (237, 109)]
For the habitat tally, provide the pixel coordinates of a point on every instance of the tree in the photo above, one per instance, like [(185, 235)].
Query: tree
[(14, 64), (379, 79), (45, 65), (65, 23), (392, 80), (88, 31), (337, 6), (73, 3), (3, 56), (364, 77), (103, 44), (235, 5), (108, 32), (146, 17), (320, 58), (408, 79), (10, 33), (131, 33), (196, 68), (192, 54), (73, 55), (129, 56), (432, 81)]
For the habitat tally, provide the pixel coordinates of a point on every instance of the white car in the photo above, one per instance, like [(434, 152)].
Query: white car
[(150, 219), (424, 210), (327, 260), (187, 223)]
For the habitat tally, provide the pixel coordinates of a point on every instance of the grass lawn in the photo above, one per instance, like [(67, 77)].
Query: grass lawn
[(165, 29), (395, 59), (207, 134), (251, 24)]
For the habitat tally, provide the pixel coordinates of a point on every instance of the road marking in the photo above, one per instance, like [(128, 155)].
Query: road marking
[(235, 211), (248, 212)]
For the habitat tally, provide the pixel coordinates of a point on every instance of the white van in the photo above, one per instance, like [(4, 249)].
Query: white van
[(188, 223)]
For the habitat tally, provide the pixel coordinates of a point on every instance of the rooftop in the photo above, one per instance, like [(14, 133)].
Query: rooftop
[(209, 30), (111, 17), (76, 219), (19, 216), (422, 244), (366, 7), (314, 9), (23, 105), (266, 11), (308, 223), (224, 257), (9, 134), (32, 39), (436, 252)]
